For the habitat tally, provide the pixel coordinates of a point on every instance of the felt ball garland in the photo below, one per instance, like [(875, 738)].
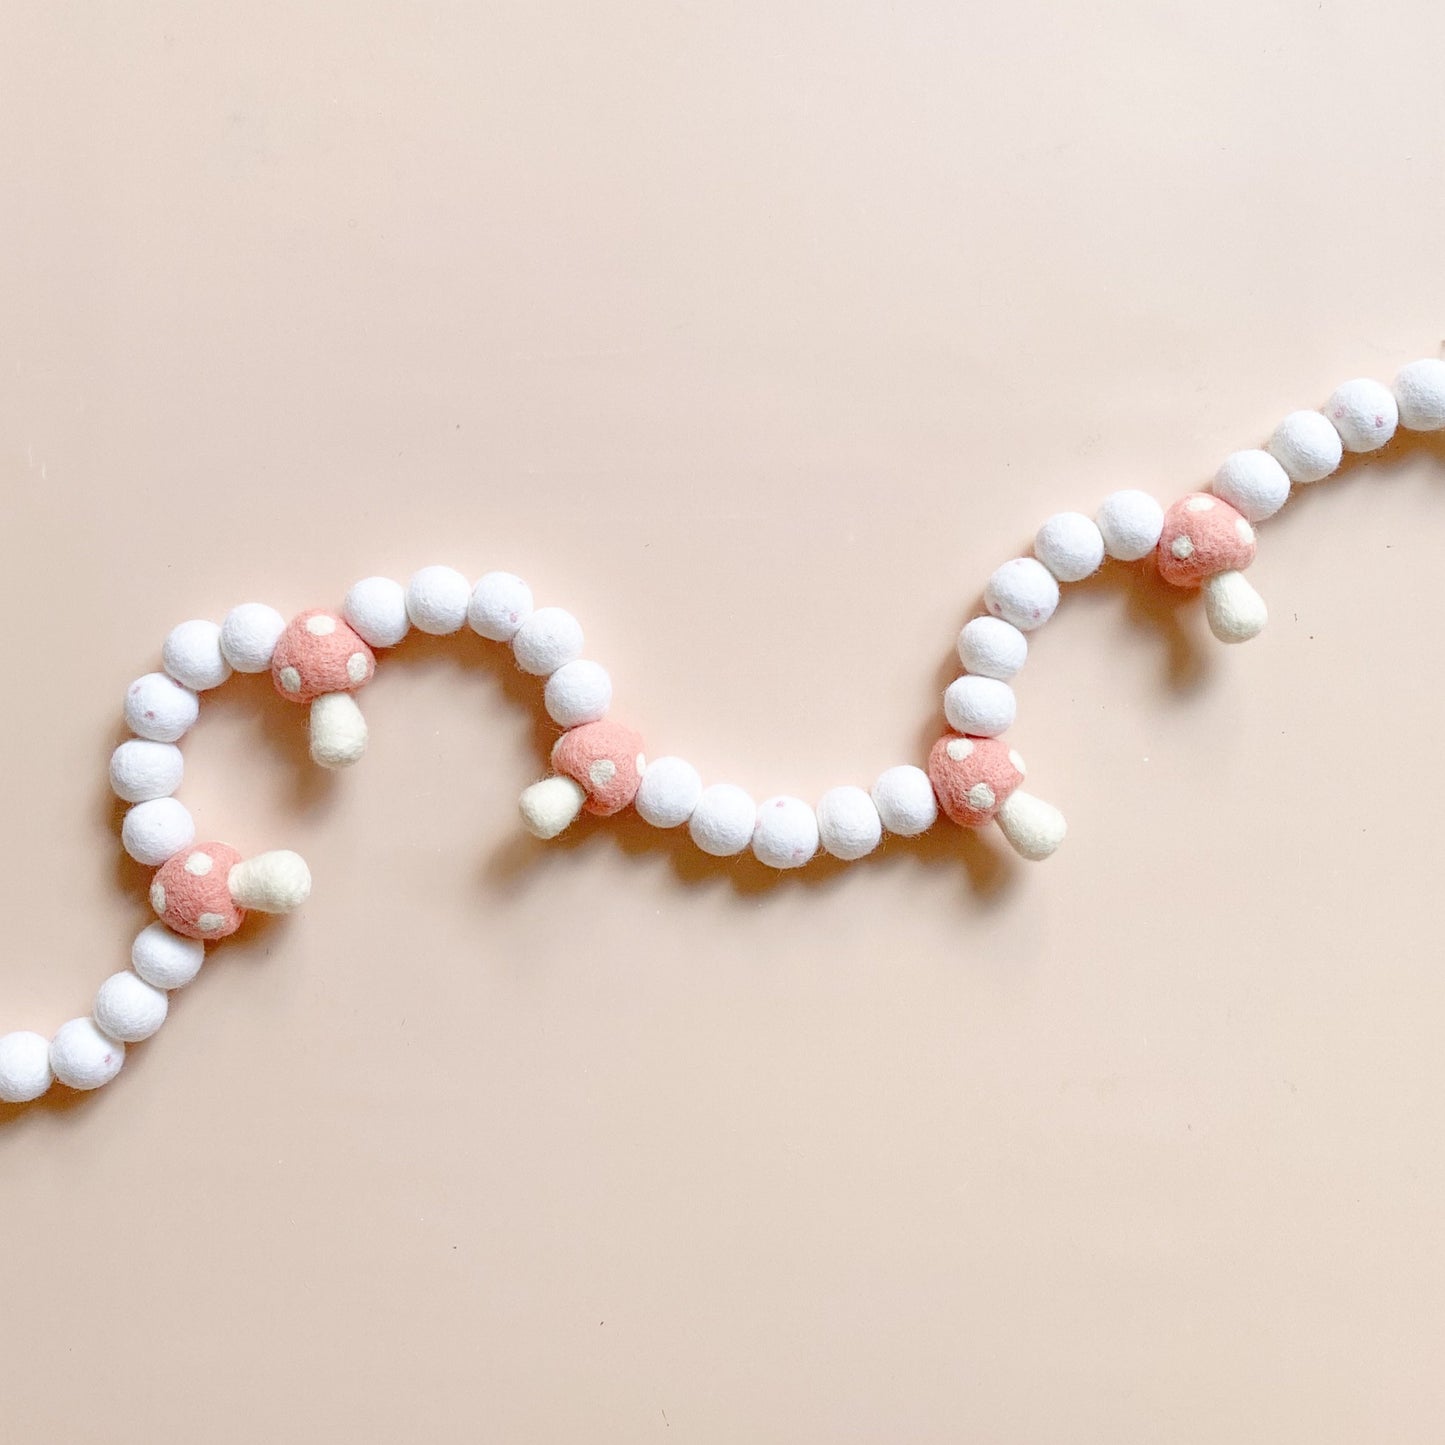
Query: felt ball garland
[(201, 892)]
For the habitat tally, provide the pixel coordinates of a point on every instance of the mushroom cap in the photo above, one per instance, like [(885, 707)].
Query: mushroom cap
[(192, 892), (973, 777), (320, 653), (1203, 535), (607, 759)]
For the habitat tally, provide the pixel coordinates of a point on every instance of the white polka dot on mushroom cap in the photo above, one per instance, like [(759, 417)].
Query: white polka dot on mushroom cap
[(602, 772), (959, 749), (158, 897), (210, 922), (357, 667), (200, 864), (1199, 503), (322, 625), (1182, 546), (980, 796), (290, 679), (1018, 762), (1243, 530)]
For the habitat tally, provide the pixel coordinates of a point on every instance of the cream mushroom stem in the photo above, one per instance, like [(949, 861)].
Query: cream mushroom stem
[(548, 807), (273, 882), (1033, 827), (1236, 612), (338, 730)]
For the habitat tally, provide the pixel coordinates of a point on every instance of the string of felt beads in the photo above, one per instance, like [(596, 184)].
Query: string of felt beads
[(201, 892)]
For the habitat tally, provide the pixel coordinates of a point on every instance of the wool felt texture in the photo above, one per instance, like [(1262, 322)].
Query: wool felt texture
[(1070, 545), (1023, 592), (159, 708), (338, 730), (785, 834), (24, 1067), (578, 692), (191, 892), (606, 758), (991, 647), (249, 634), (141, 770), (973, 777), (165, 958), (668, 793), (723, 821), (320, 653), (1129, 522), (500, 604), (1364, 413), (1420, 395), (1034, 828), (82, 1057), (1236, 612), (192, 655), (1253, 483), (548, 807), (983, 706), (848, 823), (547, 639), (274, 882), (151, 831), (128, 1008), (1307, 446), (1203, 535), (376, 609), (436, 600), (905, 800)]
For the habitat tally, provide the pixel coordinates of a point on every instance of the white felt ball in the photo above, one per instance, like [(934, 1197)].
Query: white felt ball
[(723, 821), (991, 647), (165, 959), (436, 600), (1420, 395), (1364, 413), (905, 800), (192, 655), (1130, 523), (141, 770), (500, 604), (1253, 483), (83, 1057), (24, 1067), (982, 707), (546, 640), (786, 835), (1306, 445), (669, 792), (159, 708), (578, 692), (249, 634), (152, 832), (1023, 592), (1070, 546), (128, 1008), (848, 823), (376, 608)]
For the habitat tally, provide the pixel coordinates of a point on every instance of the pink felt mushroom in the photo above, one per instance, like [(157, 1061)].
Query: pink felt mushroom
[(977, 782), (321, 660), (598, 766), (1206, 543), (204, 890)]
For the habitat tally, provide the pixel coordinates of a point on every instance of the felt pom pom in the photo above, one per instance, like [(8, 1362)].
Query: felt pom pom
[(152, 831), (191, 892), (436, 600), (319, 653), (1420, 395), (1202, 536), (547, 639), (166, 959), (141, 770), (848, 823), (159, 708), (1070, 546), (973, 777), (82, 1057), (128, 1008), (669, 792), (722, 823), (500, 604), (905, 800), (376, 609), (786, 833), (1364, 413), (249, 634), (548, 807), (1130, 522), (1307, 446), (991, 647), (24, 1067), (1253, 483), (606, 758), (192, 655), (983, 706), (1023, 592), (578, 692)]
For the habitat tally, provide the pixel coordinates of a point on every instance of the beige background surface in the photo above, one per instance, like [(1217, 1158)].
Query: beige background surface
[(757, 335)]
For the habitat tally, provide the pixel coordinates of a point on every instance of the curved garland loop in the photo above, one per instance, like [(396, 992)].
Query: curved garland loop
[(202, 892)]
